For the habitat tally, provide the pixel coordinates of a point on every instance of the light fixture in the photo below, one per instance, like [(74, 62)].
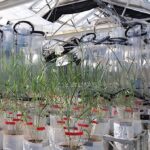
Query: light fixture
[(2, 1)]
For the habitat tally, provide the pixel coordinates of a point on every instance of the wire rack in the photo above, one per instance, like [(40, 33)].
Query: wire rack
[(140, 142)]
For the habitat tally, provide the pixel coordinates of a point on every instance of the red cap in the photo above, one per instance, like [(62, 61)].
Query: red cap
[(10, 113), (83, 125), (105, 109), (10, 123), (40, 128), (16, 119), (95, 122), (61, 122), (76, 108), (74, 133), (129, 110), (65, 118), (19, 115), (94, 110), (29, 123), (72, 128), (56, 106)]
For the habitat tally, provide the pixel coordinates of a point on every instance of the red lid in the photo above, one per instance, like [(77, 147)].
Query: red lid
[(83, 125), (56, 106), (10, 123), (40, 128), (80, 133), (129, 110), (19, 115), (95, 122), (16, 119), (29, 123), (94, 110), (72, 128), (10, 113), (76, 108), (61, 122), (65, 118), (105, 109)]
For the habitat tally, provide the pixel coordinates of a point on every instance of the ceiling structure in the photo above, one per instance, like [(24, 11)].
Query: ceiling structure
[(4, 4), (57, 17)]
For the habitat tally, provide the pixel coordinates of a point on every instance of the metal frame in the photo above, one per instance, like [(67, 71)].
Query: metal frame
[(140, 142)]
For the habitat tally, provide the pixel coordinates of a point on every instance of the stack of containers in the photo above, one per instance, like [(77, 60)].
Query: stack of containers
[(13, 133)]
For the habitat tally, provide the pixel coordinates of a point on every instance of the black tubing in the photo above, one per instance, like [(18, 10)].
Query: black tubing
[(27, 22), (102, 40), (87, 34), (2, 34), (131, 27), (38, 32), (117, 40)]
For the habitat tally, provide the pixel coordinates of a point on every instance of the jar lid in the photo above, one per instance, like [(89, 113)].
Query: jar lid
[(128, 110), (56, 106), (29, 123), (10, 123), (40, 128), (105, 109), (19, 115), (70, 128), (10, 113), (79, 133), (61, 122), (76, 108), (16, 119), (65, 118), (95, 122), (83, 125)]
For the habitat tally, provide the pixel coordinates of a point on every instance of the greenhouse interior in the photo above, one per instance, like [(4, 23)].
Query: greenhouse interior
[(74, 74)]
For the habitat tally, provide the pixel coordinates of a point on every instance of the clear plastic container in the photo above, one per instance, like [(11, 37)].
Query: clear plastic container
[(22, 30), (100, 128), (73, 139), (37, 40), (128, 113), (56, 136), (56, 133), (8, 41), (28, 129), (35, 146), (38, 140), (12, 139)]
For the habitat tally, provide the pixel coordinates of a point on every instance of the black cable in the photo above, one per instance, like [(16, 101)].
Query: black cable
[(86, 35), (2, 34), (147, 41), (102, 40), (137, 34), (117, 40), (26, 22), (38, 32)]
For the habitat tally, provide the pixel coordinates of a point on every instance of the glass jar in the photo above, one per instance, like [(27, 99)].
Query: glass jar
[(12, 139), (38, 140)]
